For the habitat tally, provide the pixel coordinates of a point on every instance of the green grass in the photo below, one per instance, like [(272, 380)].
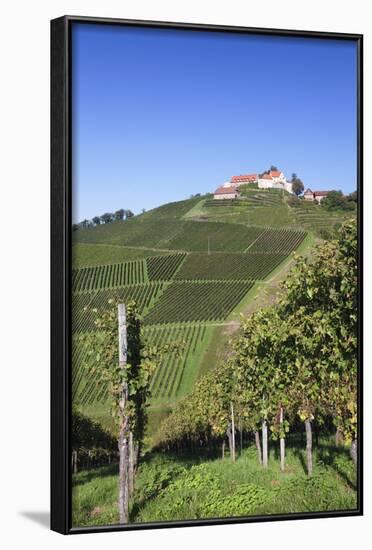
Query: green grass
[(172, 235), (197, 301), (170, 487)]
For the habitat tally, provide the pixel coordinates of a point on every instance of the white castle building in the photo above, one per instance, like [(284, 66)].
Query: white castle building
[(273, 179)]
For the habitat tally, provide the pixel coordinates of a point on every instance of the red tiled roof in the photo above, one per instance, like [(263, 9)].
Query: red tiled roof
[(267, 177), (244, 177), (274, 173), (320, 193), (225, 190)]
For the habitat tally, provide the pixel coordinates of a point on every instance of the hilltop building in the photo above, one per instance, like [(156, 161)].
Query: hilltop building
[(273, 179), (317, 196), (226, 192), (243, 179)]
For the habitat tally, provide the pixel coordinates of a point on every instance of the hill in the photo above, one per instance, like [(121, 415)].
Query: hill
[(192, 266)]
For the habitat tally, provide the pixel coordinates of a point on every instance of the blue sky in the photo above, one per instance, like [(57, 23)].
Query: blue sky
[(159, 114)]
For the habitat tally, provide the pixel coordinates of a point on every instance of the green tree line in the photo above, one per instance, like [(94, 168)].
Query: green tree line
[(107, 217)]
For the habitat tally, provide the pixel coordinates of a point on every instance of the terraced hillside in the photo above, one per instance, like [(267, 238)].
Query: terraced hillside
[(187, 278), (171, 235), (315, 218), (267, 207), (191, 267)]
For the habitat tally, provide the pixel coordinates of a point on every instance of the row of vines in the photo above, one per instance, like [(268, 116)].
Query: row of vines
[(83, 304), (197, 301), (165, 383), (228, 266)]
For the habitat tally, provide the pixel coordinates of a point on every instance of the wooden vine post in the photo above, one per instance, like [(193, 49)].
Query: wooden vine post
[(124, 421), (309, 446), (232, 433), (264, 444), (282, 440), (258, 445)]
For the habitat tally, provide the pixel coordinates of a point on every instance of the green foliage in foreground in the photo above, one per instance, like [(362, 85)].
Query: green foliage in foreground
[(295, 359), (168, 488)]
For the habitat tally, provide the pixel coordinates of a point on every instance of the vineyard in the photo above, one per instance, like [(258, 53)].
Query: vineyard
[(85, 387), (188, 342), (282, 241), (213, 383), (171, 210), (82, 304), (89, 255), (229, 266), (254, 199), (162, 268), (186, 236), (315, 218), (199, 301), (101, 277), (185, 277)]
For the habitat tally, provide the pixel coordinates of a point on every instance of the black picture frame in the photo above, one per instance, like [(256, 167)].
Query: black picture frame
[(61, 171)]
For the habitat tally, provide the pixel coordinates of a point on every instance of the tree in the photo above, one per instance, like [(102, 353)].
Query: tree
[(263, 376), (119, 214), (129, 214), (75, 227), (107, 217), (87, 438), (297, 358), (273, 168), (297, 185), (335, 200), (96, 220), (321, 303), (128, 382), (352, 197)]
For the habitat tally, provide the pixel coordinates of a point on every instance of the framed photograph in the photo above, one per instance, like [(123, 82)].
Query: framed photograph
[(206, 274)]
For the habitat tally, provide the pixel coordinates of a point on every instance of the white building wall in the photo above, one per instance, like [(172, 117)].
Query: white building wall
[(275, 184), (319, 198), (288, 186), (264, 184)]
